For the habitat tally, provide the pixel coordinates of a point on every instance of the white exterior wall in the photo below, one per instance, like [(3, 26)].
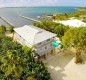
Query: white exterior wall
[(44, 47)]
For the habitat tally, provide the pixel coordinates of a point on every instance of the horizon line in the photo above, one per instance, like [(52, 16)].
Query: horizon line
[(39, 6)]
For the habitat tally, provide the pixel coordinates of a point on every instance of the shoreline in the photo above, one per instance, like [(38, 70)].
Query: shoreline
[(38, 14)]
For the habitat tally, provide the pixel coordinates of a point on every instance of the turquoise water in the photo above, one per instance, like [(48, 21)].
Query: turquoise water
[(12, 14)]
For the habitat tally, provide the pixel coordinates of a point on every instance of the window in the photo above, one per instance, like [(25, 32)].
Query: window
[(39, 43), (53, 37), (45, 47), (19, 36), (48, 39)]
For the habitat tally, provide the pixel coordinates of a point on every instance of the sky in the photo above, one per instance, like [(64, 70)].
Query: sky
[(19, 3)]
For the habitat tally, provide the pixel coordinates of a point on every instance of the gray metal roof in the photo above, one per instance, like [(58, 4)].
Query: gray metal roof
[(33, 35)]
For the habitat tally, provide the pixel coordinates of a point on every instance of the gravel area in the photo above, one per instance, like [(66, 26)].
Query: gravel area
[(62, 67)]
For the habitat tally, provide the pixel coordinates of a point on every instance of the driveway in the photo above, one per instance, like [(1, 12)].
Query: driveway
[(62, 67)]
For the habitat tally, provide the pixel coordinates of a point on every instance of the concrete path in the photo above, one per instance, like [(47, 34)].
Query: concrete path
[(62, 67)]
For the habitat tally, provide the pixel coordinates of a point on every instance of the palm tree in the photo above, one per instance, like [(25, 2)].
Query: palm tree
[(11, 65)]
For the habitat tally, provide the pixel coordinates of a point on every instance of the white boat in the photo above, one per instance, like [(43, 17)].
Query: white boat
[(38, 16)]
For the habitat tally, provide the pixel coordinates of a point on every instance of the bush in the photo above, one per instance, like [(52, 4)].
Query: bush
[(11, 29), (2, 29), (78, 60), (17, 61)]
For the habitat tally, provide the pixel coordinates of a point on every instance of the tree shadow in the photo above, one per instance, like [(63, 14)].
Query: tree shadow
[(61, 59), (58, 63), (57, 75)]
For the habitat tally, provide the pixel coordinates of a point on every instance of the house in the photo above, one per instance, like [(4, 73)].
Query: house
[(32, 36)]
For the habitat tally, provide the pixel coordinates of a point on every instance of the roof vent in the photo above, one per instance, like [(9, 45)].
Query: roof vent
[(40, 31)]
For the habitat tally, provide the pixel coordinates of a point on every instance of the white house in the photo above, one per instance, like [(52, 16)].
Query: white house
[(40, 39)]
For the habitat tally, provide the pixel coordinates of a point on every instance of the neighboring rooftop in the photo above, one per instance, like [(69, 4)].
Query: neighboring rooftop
[(73, 22), (33, 34)]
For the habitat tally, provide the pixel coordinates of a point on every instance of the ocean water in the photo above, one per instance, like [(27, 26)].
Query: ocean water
[(12, 14)]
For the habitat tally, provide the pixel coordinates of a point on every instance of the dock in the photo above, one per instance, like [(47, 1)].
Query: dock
[(30, 18), (10, 24)]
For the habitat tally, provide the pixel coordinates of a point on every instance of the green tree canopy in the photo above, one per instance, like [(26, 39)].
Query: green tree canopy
[(17, 62), (75, 37), (2, 29), (56, 28)]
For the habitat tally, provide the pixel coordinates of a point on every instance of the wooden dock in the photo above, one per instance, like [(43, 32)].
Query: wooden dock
[(30, 18), (10, 24)]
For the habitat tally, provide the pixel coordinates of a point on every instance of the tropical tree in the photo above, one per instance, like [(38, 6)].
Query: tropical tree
[(56, 28), (11, 64), (11, 29), (60, 29), (2, 29), (75, 37), (17, 62)]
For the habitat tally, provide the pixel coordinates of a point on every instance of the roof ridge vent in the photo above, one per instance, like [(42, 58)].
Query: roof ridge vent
[(40, 31)]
